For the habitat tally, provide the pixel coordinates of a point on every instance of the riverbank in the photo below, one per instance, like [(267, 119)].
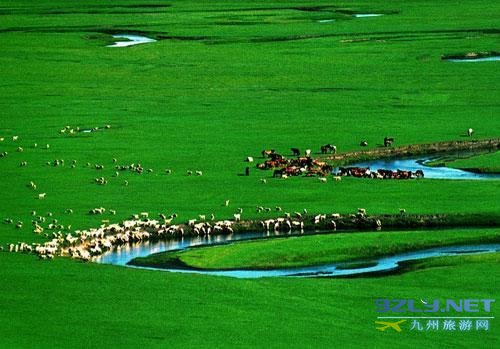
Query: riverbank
[(413, 150), (312, 250)]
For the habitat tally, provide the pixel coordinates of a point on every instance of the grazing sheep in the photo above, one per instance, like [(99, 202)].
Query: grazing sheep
[(237, 217), (212, 216), (150, 170), (168, 171), (362, 211), (333, 224), (15, 138), (189, 173), (308, 153), (335, 215), (263, 180), (41, 196), (125, 183), (226, 203), (199, 173), (47, 146), (469, 132), (363, 143), (322, 179), (337, 178), (402, 211), (20, 149), (249, 159), (68, 211), (202, 217), (277, 208), (2, 139), (240, 210), (144, 215)]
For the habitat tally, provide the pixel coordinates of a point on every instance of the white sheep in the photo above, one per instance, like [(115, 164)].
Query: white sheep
[(308, 152), (469, 132), (41, 196), (237, 217), (322, 179), (199, 173)]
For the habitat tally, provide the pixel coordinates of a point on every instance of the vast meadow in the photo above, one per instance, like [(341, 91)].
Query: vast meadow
[(223, 81)]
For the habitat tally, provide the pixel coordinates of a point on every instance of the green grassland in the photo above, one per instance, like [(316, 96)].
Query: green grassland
[(225, 80), (70, 304), (317, 249), (486, 163), (207, 104)]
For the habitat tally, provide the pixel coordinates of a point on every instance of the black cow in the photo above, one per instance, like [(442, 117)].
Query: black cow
[(295, 151), (328, 148), (278, 173), (388, 141)]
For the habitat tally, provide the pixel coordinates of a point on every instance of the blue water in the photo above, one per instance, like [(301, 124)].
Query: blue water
[(419, 164), (132, 40), (482, 59), (121, 256)]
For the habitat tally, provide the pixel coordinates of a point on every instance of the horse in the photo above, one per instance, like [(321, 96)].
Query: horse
[(388, 141), (328, 148)]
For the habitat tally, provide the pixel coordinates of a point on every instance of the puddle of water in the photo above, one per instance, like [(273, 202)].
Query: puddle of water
[(363, 15), (414, 164), (132, 40), (480, 59)]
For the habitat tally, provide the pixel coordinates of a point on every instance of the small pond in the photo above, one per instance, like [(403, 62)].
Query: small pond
[(132, 40)]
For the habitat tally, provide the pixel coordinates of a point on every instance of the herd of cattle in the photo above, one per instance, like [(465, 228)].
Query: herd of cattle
[(365, 172), (308, 166)]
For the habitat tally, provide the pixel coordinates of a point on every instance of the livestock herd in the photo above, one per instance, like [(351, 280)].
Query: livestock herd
[(308, 166), (88, 244), (365, 172)]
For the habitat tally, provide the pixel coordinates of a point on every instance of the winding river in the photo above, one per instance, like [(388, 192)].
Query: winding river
[(123, 255), (413, 164)]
